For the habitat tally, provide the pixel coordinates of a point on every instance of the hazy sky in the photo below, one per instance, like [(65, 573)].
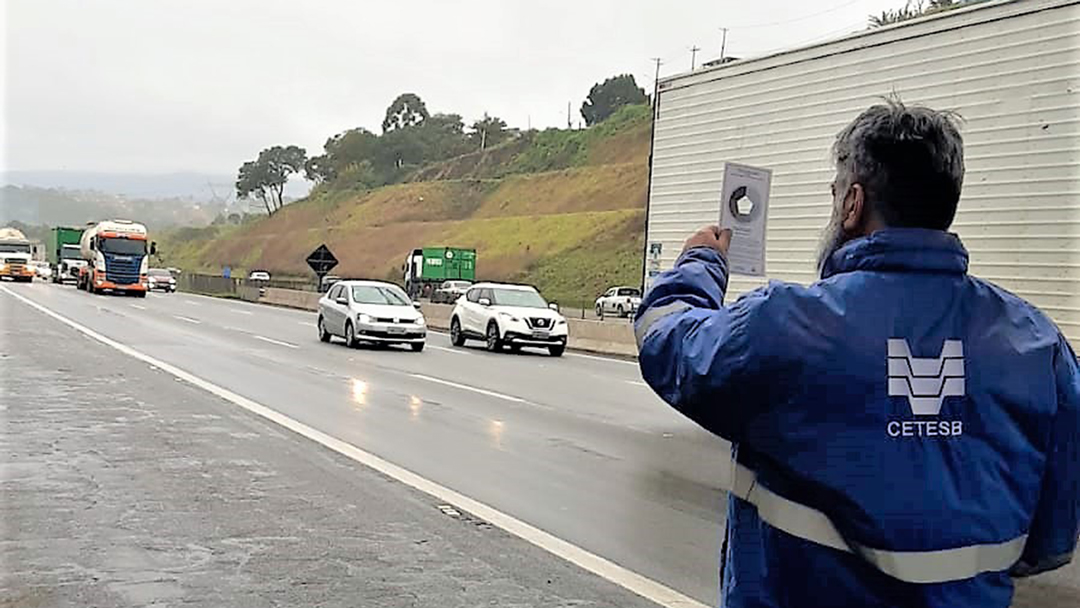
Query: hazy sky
[(170, 85)]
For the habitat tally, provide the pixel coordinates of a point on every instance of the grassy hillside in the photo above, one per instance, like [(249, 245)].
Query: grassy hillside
[(563, 210)]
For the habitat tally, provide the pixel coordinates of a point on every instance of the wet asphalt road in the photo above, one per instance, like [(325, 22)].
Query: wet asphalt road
[(576, 446)]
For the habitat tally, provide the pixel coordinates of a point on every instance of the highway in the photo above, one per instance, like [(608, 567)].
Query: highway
[(576, 446)]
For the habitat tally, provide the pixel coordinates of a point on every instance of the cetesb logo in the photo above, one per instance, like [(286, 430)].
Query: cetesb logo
[(926, 382)]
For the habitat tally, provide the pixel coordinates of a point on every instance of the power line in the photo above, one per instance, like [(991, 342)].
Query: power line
[(797, 19)]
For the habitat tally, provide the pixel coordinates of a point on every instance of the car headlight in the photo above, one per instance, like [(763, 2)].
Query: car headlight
[(507, 315), (363, 318), (419, 320), (561, 322)]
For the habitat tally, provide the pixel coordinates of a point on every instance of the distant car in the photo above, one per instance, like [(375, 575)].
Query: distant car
[(160, 279), (371, 311), (259, 275), (621, 301), (41, 269), (507, 315), (450, 291), (328, 282)]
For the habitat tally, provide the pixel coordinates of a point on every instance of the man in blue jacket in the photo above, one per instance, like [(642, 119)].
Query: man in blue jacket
[(904, 434)]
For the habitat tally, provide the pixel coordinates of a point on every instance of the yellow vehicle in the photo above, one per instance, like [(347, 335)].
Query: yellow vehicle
[(15, 256)]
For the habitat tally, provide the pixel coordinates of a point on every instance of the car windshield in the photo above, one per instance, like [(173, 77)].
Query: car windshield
[(380, 294), (14, 248), (630, 291), (161, 274), (517, 297), (123, 246)]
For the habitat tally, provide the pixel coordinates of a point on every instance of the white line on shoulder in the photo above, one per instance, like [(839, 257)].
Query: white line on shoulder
[(628, 579)]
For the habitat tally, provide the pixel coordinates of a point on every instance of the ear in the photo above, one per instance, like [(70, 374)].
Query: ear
[(854, 210)]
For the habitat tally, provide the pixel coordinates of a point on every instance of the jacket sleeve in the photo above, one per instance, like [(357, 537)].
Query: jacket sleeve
[(708, 361), (1052, 538)]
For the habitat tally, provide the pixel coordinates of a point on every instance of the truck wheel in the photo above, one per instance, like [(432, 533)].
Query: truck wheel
[(140, 294), (350, 335), (557, 351), (494, 343), (456, 337), (324, 336)]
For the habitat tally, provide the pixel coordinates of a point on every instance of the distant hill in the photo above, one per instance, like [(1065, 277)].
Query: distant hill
[(564, 210), (52, 207), (194, 187)]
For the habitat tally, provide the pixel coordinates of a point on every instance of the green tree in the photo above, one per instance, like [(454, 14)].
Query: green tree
[(610, 95), (266, 176), (407, 110), (319, 169), (488, 131)]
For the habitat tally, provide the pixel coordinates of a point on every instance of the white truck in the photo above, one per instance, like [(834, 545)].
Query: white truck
[(117, 258), (1011, 68), (15, 254)]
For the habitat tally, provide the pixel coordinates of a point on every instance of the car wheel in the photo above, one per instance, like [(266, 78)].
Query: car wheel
[(494, 344), (622, 313), (599, 310), (350, 335), (557, 351), (456, 337), (324, 336), (417, 347), (515, 348)]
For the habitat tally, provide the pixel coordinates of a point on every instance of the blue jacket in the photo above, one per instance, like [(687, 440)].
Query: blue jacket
[(904, 434)]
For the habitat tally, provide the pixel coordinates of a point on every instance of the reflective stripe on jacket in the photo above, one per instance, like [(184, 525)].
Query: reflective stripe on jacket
[(903, 433)]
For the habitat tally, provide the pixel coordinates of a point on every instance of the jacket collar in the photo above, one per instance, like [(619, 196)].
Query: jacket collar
[(900, 250)]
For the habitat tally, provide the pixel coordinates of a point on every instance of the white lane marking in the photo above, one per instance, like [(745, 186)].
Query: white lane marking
[(305, 323), (273, 341), (188, 319), (469, 388), (645, 587), (637, 383), (192, 302), (241, 312), (605, 359), (456, 351), (137, 306)]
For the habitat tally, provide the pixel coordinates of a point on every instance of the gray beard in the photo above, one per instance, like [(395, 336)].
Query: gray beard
[(832, 239)]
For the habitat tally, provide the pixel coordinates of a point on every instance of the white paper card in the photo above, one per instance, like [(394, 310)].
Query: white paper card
[(744, 206)]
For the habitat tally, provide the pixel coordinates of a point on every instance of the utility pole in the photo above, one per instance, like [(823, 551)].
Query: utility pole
[(723, 44), (693, 57), (656, 79), (569, 123)]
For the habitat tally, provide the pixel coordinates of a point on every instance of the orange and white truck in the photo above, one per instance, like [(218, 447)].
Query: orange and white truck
[(117, 257), (15, 253)]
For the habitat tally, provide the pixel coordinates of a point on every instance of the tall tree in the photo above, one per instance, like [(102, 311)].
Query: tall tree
[(266, 176), (488, 131), (610, 95), (406, 111)]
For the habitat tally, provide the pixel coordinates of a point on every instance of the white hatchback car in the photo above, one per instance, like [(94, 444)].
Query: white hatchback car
[(508, 315), (371, 311)]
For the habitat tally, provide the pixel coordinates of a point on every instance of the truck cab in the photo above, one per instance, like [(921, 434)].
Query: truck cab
[(116, 254), (15, 254)]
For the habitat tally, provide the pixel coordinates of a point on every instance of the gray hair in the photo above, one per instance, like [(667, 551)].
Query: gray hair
[(909, 161)]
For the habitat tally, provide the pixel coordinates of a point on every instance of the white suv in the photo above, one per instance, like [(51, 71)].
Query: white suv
[(621, 301), (508, 315)]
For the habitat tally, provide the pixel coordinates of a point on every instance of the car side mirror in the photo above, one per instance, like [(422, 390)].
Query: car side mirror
[(416, 305), (554, 306), (484, 302), (342, 300)]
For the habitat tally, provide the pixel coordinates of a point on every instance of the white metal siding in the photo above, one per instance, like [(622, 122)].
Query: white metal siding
[(1011, 69)]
